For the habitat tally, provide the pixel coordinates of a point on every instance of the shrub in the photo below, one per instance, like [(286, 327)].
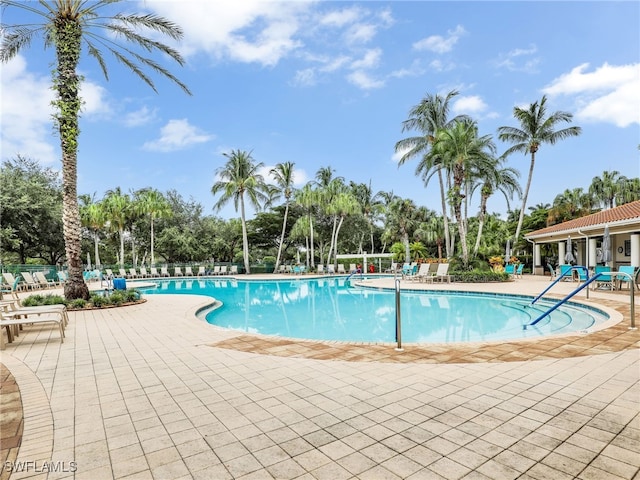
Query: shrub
[(116, 298), (269, 259), (479, 276), (99, 301), (78, 303)]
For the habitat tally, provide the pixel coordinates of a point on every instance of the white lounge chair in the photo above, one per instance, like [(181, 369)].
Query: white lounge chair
[(442, 273), (143, 272), (132, 273), (122, 273), (224, 270), (201, 271), (43, 281), (14, 284), (424, 273), (164, 272), (320, 269), (30, 281), (12, 322), (341, 268), (233, 270), (188, 272), (177, 272)]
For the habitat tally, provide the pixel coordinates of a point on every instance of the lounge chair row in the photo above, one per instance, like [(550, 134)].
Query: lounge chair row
[(426, 273), (153, 272), (29, 281)]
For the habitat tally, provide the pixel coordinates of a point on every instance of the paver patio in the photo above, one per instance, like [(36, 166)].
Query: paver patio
[(150, 391)]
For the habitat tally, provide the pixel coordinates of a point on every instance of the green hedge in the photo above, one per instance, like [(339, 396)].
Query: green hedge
[(479, 276)]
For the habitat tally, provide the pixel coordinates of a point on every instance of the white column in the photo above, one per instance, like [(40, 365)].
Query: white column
[(562, 251), (593, 257), (536, 256), (635, 250)]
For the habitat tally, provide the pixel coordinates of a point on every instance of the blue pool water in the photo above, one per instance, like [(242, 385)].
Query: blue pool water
[(331, 309)]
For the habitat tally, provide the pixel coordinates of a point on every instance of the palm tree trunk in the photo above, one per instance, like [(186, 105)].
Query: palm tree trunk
[(67, 40), (96, 255), (121, 232), (245, 238), (284, 229), (524, 197), (313, 262), (483, 212), (445, 218), (153, 260)]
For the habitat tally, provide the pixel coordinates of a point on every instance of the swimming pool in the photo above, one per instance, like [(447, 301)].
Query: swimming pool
[(330, 309)]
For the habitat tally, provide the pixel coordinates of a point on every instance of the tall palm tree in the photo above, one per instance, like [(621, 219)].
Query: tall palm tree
[(402, 219), (429, 116), (370, 205), (308, 199), (93, 217), (343, 204), (117, 206), (67, 26), (461, 151), (283, 175), (494, 178), (240, 177), (605, 187), (536, 128), (153, 203)]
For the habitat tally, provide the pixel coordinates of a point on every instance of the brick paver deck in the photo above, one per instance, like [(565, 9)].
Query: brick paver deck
[(150, 391)]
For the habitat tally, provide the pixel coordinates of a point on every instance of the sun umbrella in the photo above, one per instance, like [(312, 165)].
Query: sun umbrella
[(569, 258), (507, 252), (606, 245), (88, 261)]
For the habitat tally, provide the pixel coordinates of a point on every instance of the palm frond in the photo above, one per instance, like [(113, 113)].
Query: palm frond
[(152, 22), (134, 68), (14, 41)]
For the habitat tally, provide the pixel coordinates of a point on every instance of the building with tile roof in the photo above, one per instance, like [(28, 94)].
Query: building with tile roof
[(586, 234)]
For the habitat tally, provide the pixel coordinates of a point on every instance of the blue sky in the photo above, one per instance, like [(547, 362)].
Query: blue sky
[(329, 84)]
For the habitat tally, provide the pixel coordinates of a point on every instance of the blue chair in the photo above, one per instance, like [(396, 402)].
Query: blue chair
[(565, 272), (510, 269), (623, 279), (519, 270), (582, 274), (605, 280)]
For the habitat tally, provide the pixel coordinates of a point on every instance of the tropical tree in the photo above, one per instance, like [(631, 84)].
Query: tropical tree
[(240, 177), (402, 218), (68, 24), (283, 174), (307, 198), (605, 188), (494, 178), (152, 202), (370, 206), (93, 217), (462, 151), (117, 206), (429, 116), (535, 128), (342, 205)]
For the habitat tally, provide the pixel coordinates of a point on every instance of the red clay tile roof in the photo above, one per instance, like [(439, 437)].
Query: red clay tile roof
[(628, 211)]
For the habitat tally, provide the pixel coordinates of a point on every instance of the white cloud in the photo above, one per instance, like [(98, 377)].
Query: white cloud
[(177, 135), (305, 78), (518, 60), (364, 80), (440, 44), (142, 116), (247, 31), (371, 59), (468, 105), (414, 70), (340, 18), (26, 116), (610, 93), (440, 66), (360, 33)]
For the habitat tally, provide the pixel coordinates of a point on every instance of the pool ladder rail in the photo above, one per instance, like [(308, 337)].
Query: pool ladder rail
[(587, 282)]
